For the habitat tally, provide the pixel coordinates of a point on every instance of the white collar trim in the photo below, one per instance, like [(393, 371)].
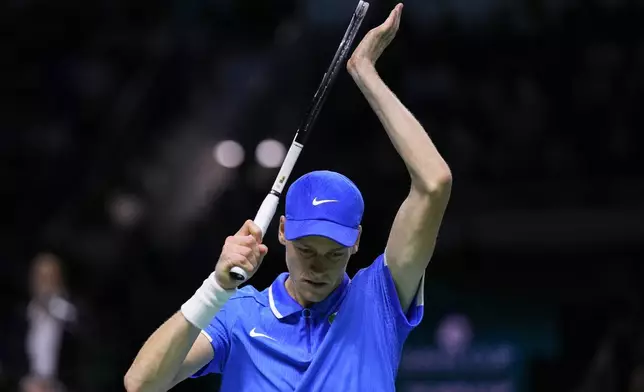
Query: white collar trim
[(271, 302)]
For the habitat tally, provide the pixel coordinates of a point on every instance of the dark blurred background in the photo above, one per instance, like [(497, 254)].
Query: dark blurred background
[(135, 136)]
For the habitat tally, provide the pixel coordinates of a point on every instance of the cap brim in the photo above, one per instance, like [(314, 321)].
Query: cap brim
[(345, 236)]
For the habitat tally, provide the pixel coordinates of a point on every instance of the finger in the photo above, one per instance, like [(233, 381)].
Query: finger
[(394, 19), (255, 231), (246, 240), (255, 255), (392, 28), (263, 250), (389, 26), (241, 262), (385, 26), (242, 250), (391, 19), (250, 252), (398, 9), (245, 229)]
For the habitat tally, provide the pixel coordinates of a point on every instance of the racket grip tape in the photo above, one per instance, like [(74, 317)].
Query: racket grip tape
[(266, 212), (263, 219)]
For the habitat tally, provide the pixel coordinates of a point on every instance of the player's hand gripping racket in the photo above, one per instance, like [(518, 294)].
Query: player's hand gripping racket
[(269, 205)]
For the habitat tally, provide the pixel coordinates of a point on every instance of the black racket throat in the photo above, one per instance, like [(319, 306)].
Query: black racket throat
[(329, 78)]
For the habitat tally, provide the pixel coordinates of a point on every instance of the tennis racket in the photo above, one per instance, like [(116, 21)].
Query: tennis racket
[(268, 207)]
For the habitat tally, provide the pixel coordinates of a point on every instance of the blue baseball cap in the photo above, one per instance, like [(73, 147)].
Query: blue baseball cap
[(324, 203)]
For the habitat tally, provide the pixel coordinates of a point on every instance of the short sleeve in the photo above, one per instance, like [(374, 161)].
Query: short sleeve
[(378, 285), (218, 334)]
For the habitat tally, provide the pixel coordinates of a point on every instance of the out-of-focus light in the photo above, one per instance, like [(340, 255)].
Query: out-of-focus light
[(229, 153), (270, 153), (125, 210)]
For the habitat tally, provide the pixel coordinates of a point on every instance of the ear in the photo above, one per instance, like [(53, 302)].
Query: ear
[(280, 233), (354, 248)]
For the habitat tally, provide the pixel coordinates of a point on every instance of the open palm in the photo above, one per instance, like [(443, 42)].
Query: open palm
[(376, 40)]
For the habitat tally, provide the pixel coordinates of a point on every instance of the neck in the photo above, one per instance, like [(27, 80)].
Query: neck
[(290, 289)]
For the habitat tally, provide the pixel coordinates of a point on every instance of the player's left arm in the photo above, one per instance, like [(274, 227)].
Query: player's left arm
[(414, 231)]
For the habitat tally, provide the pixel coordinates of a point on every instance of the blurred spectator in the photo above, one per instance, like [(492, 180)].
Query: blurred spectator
[(47, 315), (43, 328)]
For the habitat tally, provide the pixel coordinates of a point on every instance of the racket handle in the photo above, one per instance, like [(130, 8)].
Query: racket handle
[(238, 274), (263, 218), (266, 212)]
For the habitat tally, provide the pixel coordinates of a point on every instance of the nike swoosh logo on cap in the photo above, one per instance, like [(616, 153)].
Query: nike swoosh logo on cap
[(317, 202), (254, 334)]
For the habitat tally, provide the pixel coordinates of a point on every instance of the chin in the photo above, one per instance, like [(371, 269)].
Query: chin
[(312, 295), (315, 295)]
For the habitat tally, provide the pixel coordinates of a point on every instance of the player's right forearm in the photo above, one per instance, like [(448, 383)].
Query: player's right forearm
[(158, 364), (160, 358)]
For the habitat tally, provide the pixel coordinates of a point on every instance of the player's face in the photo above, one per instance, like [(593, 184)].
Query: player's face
[(316, 266)]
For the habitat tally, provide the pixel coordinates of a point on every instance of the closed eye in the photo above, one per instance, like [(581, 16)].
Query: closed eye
[(336, 254), (306, 251)]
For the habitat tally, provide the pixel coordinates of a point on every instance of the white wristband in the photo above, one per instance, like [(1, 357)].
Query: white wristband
[(206, 302)]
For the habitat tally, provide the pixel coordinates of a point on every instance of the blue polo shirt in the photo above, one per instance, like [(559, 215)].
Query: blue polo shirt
[(351, 341)]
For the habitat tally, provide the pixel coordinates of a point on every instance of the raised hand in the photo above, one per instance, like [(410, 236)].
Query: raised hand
[(375, 41), (244, 250)]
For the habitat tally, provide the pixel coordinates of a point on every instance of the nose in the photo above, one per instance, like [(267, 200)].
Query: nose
[(317, 266)]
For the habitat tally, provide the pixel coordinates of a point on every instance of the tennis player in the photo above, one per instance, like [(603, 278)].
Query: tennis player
[(314, 329)]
